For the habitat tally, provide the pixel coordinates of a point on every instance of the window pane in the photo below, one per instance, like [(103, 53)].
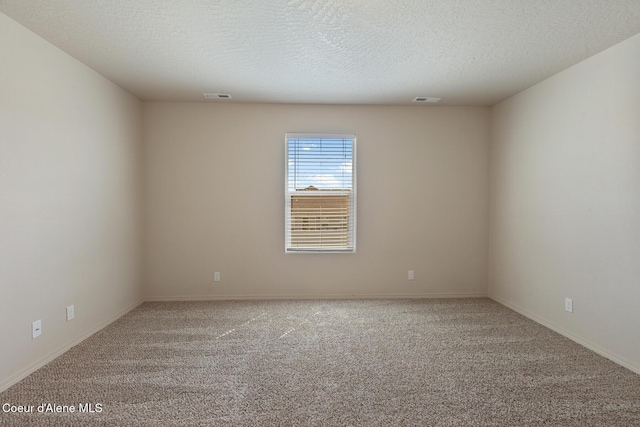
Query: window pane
[(324, 164)]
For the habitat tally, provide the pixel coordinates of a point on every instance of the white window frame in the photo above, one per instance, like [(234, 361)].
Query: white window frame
[(350, 246)]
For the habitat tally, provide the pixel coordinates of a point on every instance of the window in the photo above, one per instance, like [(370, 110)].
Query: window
[(320, 193)]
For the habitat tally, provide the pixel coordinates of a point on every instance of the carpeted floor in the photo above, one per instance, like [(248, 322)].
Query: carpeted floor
[(441, 362)]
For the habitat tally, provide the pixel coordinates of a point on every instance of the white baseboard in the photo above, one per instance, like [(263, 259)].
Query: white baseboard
[(580, 340), (311, 297), (25, 372)]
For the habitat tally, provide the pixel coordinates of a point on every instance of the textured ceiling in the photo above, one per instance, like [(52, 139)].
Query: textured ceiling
[(469, 52)]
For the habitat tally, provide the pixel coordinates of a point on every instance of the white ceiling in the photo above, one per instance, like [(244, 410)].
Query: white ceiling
[(469, 52)]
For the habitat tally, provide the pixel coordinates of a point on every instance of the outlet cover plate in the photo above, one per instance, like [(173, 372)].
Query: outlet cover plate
[(70, 313), (36, 328), (568, 305)]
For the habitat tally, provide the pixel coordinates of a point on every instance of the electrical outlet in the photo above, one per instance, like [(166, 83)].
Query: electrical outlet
[(216, 276), (410, 276), (70, 313), (36, 328), (568, 305)]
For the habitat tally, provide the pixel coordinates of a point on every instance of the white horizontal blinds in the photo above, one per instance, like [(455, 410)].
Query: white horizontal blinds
[(320, 193)]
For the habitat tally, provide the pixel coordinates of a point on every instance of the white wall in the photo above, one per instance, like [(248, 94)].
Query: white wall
[(565, 202), (215, 202), (69, 200)]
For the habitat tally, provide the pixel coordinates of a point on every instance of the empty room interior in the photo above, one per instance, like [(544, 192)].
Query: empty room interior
[(148, 214)]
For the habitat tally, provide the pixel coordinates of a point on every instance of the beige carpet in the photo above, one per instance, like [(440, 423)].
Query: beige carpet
[(452, 362)]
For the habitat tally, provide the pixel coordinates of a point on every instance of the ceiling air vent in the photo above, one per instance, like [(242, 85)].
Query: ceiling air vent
[(216, 95), (426, 99)]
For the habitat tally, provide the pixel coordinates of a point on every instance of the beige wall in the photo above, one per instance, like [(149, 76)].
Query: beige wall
[(69, 200), (565, 202), (422, 201)]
